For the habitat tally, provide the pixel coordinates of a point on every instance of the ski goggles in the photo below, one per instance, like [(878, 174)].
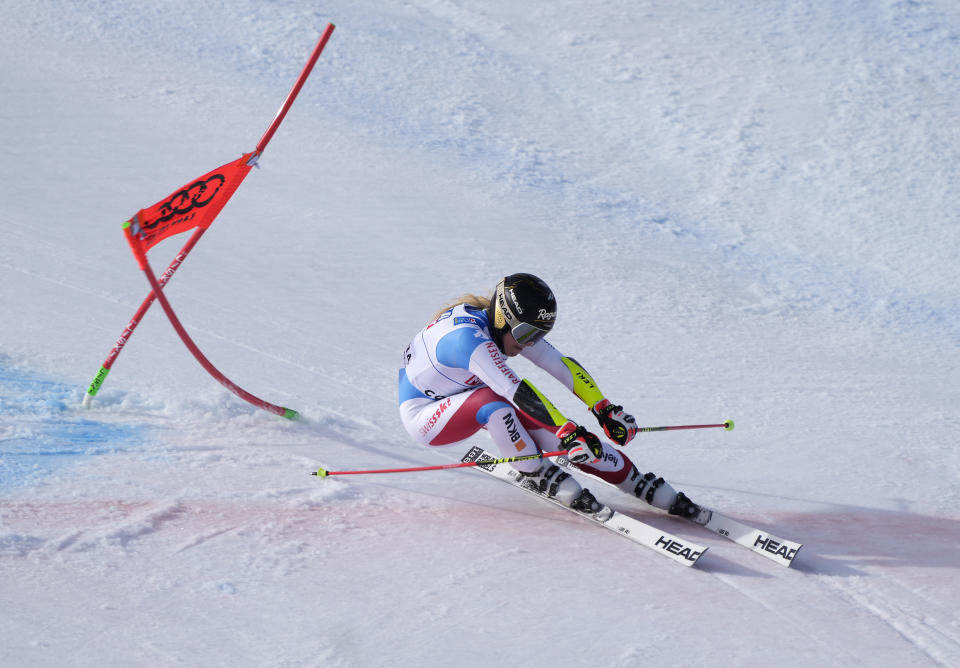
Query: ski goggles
[(527, 334)]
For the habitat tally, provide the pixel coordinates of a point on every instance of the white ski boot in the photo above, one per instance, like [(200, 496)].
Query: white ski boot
[(550, 480), (688, 510), (658, 493)]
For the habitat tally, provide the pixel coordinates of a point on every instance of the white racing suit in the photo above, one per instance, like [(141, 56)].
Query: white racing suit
[(455, 381)]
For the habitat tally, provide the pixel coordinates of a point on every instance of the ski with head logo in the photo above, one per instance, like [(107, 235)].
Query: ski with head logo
[(764, 543), (673, 547)]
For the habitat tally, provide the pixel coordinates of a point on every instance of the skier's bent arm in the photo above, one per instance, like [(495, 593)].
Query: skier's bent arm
[(619, 426), (566, 370)]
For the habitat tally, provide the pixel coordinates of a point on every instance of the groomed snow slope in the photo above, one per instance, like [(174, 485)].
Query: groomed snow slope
[(747, 210)]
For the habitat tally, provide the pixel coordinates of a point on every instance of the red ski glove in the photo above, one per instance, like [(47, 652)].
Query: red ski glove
[(582, 447), (619, 427)]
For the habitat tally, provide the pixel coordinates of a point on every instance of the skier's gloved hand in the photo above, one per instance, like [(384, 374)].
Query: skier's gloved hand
[(582, 447), (619, 427)]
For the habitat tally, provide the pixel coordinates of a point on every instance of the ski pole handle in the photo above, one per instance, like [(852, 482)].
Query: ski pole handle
[(323, 473), (727, 425)]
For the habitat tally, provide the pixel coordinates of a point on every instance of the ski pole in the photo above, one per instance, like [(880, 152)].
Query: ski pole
[(728, 425), (323, 473)]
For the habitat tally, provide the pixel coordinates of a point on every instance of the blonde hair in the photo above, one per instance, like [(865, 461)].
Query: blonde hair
[(469, 299)]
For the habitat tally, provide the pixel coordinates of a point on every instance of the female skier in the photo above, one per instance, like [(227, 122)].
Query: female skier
[(456, 380)]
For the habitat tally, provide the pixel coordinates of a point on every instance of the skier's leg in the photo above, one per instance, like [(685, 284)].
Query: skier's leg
[(511, 436), (453, 419), (613, 466), (659, 493), (549, 474), (616, 468), (446, 421)]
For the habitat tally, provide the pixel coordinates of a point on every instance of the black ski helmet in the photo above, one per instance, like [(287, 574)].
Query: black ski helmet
[(523, 305)]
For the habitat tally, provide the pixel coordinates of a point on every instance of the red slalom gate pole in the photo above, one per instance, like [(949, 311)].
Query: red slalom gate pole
[(128, 331), (138, 316), (288, 413), (285, 107)]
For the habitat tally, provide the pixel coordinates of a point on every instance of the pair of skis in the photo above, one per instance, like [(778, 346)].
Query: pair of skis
[(680, 550)]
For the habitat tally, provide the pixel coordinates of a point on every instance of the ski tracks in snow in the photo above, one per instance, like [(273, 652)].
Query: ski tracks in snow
[(891, 567), (790, 616), (84, 526), (874, 577), (920, 620)]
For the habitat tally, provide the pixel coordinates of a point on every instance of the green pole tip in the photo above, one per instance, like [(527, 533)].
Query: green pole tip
[(126, 224), (291, 414), (321, 473), (728, 425)]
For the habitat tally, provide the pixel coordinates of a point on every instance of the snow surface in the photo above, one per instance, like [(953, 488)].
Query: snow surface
[(748, 210)]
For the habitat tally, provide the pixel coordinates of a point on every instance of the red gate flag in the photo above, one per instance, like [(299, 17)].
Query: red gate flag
[(194, 205)]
